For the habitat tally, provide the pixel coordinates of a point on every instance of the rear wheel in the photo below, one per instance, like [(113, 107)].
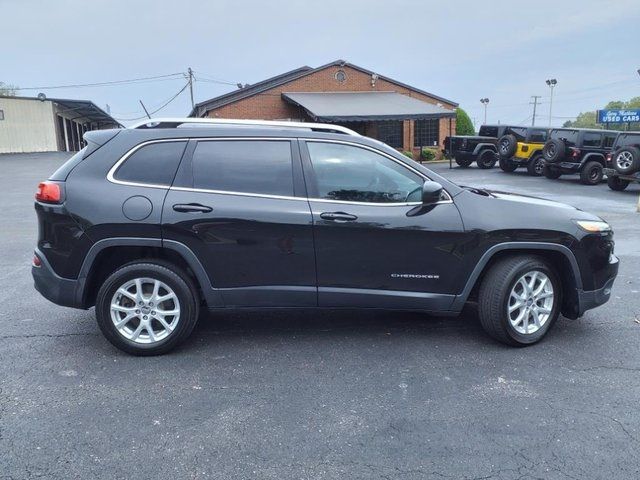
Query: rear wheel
[(487, 159), (464, 160), (507, 165), (507, 145), (591, 173), (535, 166), (617, 183), (551, 173), (519, 300), (147, 308), (554, 150)]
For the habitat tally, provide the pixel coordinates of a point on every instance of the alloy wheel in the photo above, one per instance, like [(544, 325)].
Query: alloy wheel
[(530, 302), (624, 160), (145, 310)]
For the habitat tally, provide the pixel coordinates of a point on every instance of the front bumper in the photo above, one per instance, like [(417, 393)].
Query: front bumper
[(61, 291), (594, 298)]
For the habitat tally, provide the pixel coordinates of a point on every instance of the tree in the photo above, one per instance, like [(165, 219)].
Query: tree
[(588, 119), (7, 90), (464, 126)]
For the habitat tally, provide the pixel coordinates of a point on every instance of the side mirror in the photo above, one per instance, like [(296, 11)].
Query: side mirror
[(431, 192)]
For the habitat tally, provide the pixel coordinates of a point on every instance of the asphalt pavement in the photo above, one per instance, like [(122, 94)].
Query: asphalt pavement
[(320, 394)]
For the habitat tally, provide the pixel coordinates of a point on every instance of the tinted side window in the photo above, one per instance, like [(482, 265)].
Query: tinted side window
[(539, 136), (519, 133), (486, 131), (569, 136), (245, 166), (609, 140), (353, 174), (592, 139), (155, 163)]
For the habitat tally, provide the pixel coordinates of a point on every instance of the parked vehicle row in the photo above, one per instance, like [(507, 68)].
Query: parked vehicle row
[(589, 153)]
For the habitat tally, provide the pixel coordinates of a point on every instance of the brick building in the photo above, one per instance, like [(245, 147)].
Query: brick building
[(400, 115)]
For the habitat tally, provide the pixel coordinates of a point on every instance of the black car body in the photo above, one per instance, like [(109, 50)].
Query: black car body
[(623, 162), (481, 148), (269, 216), (577, 151)]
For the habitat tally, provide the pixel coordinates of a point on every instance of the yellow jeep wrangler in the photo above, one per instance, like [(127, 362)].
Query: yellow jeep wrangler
[(522, 147)]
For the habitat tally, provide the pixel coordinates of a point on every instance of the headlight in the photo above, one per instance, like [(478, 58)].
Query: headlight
[(592, 226)]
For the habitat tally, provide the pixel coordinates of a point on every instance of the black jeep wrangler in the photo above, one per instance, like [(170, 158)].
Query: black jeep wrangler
[(623, 163), (577, 150), (522, 147), (481, 148)]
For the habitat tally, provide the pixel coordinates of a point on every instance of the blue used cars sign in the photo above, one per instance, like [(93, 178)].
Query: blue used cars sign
[(619, 116)]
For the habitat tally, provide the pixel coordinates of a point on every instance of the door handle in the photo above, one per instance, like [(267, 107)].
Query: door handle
[(338, 216), (192, 208)]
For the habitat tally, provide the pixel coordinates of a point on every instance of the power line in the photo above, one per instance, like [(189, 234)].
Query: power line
[(170, 76), (535, 105), (157, 109)]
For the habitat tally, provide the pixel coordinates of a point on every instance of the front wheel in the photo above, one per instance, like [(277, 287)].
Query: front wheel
[(519, 300), (487, 159), (535, 166), (507, 165), (591, 173), (147, 307), (616, 183)]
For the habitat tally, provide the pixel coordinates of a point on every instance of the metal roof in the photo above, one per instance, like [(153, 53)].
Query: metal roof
[(361, 106), (256, 88), (75, 109)]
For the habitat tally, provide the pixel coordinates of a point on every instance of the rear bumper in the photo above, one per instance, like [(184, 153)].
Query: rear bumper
[(565, 166), (594, 298), (61, 291)]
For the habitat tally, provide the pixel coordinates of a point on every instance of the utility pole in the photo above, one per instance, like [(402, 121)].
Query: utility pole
[(535, 105), (144, 108), (190, 72)]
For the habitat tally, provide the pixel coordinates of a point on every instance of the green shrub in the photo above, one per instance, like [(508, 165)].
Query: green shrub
[(464, 126), (408, 154), (427, 155)]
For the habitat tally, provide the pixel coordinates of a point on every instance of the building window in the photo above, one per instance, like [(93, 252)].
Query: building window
[(426, 133), (1, 114), (390, 132), (341, 76)]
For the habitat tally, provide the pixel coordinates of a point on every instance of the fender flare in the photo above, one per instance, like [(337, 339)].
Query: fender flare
[(482, 146), (601, 159), (460, 299), (212, 296)]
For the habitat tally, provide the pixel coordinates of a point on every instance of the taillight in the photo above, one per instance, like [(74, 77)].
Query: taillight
[(609, 157), (36, 262), (49, 192)]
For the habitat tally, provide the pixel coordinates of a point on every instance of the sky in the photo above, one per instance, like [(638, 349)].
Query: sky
[(457, 49)]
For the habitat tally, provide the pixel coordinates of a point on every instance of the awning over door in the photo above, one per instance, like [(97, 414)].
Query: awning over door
[(364, 106)]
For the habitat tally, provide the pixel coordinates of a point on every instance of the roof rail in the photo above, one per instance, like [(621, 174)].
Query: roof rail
[(176, 122)]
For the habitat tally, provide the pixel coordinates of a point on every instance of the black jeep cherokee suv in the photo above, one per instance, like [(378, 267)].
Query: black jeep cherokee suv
[(577, 150), (150, 224), (623, 163), (481, 148)]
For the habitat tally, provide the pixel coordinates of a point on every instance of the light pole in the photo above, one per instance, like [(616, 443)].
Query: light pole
[(552, 82), (485, 102)]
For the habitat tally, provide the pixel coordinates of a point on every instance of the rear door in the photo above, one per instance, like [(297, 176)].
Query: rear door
[(240, 206)]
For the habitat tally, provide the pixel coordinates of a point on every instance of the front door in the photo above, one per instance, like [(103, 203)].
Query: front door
[(375, 245), (240, 206)]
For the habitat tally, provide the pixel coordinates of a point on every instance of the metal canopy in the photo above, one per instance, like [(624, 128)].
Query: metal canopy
[(364, 106), (77, 109)]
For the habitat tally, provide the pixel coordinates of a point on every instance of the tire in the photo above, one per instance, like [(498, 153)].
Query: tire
[(551, 173), (535, 166), (554, 150), (169, 279), (617, 183), (507, 145), (626, 160), (507, 166), (591, 173), (464, 160), (487, 159), (495, 299)]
